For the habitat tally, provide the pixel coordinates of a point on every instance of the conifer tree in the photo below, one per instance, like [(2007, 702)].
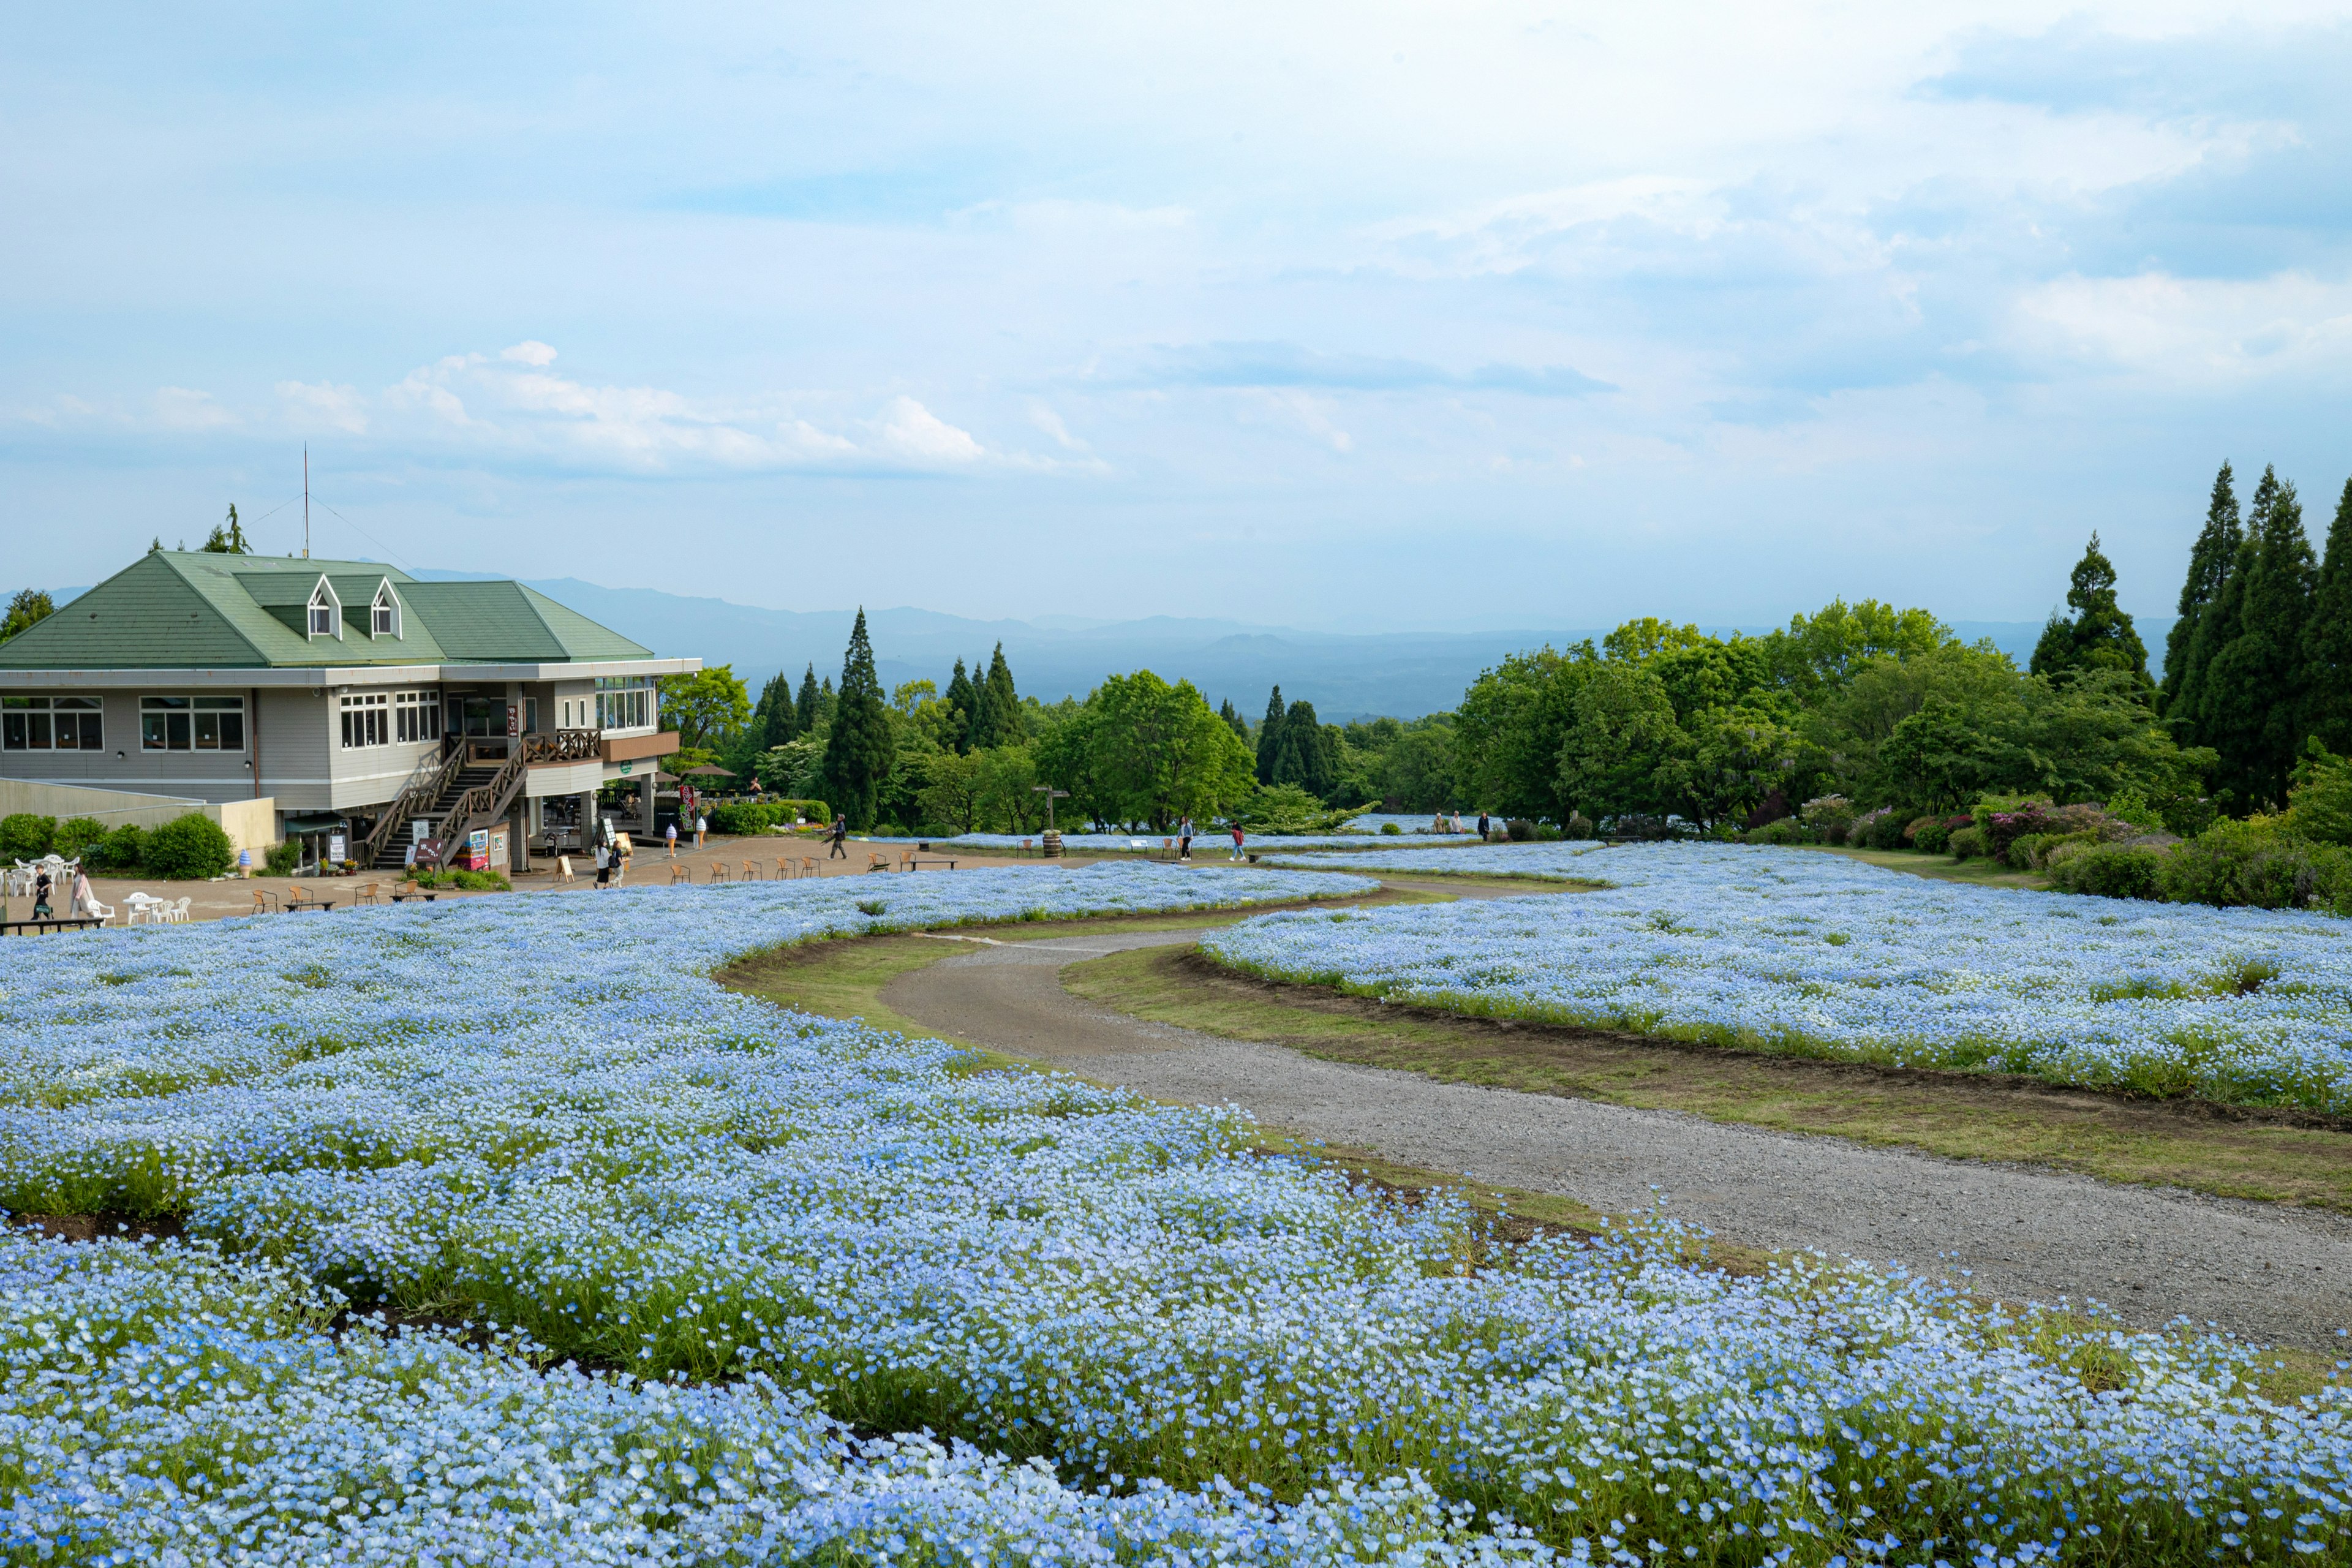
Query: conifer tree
[(996, 718), (2099, 635), (771, 718), (2327, 639), (805, 712), (1305, 754), (2209, 559), (1240, 726), (2248, 703), (961, 699), (859, 751), (1269, 737)]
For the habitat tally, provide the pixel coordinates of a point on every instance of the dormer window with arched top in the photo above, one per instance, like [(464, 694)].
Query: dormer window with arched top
[(326, 615), (383, 614)]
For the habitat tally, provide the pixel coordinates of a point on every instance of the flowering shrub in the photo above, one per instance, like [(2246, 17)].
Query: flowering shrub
[(723, 1246), (1807, 951)]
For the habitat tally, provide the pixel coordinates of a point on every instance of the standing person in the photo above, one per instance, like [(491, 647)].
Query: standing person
[(603, 867), (1237, 838), (840, 832), (701, 827), (669, 837), (1184, 837), (1482, 827), (84, 901), (1458, 822), (42, 887)]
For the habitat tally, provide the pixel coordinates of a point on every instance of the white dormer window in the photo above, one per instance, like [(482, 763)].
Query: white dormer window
[(384, 615), (326, 615)]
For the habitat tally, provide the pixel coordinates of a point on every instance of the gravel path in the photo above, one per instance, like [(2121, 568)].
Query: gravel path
[(2269, 1274)]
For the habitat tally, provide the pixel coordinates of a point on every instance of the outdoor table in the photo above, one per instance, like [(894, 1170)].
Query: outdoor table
[(70, 923)]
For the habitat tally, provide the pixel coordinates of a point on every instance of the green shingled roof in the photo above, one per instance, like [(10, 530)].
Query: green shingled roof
[(187, 609)]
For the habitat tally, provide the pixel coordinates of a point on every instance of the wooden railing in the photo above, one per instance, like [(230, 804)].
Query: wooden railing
[(423, 790), (485, 803)]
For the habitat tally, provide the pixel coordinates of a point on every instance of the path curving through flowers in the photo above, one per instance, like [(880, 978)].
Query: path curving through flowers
[(2264, 1271)]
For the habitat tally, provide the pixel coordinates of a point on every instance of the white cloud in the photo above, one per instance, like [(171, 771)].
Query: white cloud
[(1045, 419), (530, 351), (341, 408), (2187, 331), (180, 408), (908, 430)]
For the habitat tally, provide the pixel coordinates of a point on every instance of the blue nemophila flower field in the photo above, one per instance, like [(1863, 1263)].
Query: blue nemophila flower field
[(1800, 951), (1209, 837), (768, 1288)]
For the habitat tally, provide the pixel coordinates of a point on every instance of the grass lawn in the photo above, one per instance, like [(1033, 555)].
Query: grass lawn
[(1943, 868), (2282, 1158)]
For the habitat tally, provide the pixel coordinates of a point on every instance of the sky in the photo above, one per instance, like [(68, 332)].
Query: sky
[(1363, 317)]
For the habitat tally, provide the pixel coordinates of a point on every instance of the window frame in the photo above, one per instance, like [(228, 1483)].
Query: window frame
[(205, 722), (384, 614), (39, 724), (324, 604)]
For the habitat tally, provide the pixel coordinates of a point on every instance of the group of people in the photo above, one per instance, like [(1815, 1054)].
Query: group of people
[(82, 903)]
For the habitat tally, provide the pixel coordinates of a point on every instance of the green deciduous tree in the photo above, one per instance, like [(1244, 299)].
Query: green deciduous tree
[(1818, 653), (860, 747), (2210, 560), (708, 708), (2098, 634), (1510, 727), (28, 607), (1624, 753), (1165, 752)]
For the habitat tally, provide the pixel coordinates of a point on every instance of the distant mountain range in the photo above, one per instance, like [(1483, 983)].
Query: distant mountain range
[(1345, 675)]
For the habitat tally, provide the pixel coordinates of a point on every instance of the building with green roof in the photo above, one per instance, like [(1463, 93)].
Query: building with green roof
[(364, 702)]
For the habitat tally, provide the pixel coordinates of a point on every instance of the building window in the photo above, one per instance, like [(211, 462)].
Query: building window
[(192, 723), (384, 615), (625, 702), (367, 720), (531, 715), (415, 715), (326, 620), (483, 717), (51, 724)]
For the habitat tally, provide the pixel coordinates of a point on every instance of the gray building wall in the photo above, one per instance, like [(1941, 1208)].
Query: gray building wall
[(215, 777)]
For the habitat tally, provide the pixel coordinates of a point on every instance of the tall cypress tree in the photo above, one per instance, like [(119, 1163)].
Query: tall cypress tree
[(1304, 756), (804, 707), (2248, 706), (1269, 737), (858, 752), (2209, 559), (961, 702), (2098, 636), (1000, 706), (771, 721), (2328, 639), (1240, 726)]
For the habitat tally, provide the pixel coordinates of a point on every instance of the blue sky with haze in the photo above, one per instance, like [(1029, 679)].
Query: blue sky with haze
[(1353, 317)]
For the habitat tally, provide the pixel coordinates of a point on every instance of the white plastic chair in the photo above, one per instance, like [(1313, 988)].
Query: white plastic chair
[(92, 907), (138, 907), (177, 912)]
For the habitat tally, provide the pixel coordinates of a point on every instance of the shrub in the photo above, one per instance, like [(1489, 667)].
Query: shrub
[(24, 836), (1786, 830), (2319, 806), (1999, 829), (282, 858), (120, 851), (1965, 843), (188, 847), (1880, 829), (2106, 870), (1391, 830), (1579, 826), (457, 877), (2021, 853), (2256, 863), (1547, 834), (1520, 829), (77, 834), (1929, 834), (738, 817), (1828, 815)]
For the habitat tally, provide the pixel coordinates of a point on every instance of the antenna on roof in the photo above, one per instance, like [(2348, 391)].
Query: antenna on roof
[(306, 500)]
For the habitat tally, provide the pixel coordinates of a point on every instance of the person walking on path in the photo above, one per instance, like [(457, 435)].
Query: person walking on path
[(701, 827), (840, 833), (1237, 838), (84, 901), (603, 867), (1184, 837), (669, 837), (42, 888)]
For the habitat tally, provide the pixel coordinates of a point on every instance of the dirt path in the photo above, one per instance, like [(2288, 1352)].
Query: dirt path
[(2265, 1272)]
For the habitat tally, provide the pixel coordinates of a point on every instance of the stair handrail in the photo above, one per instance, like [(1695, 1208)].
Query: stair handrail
[(421, 788), (488, 802)]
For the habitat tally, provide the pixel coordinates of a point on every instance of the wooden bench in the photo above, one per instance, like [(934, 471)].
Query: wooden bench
[(916, 862), (69, 922), (299, 898)]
